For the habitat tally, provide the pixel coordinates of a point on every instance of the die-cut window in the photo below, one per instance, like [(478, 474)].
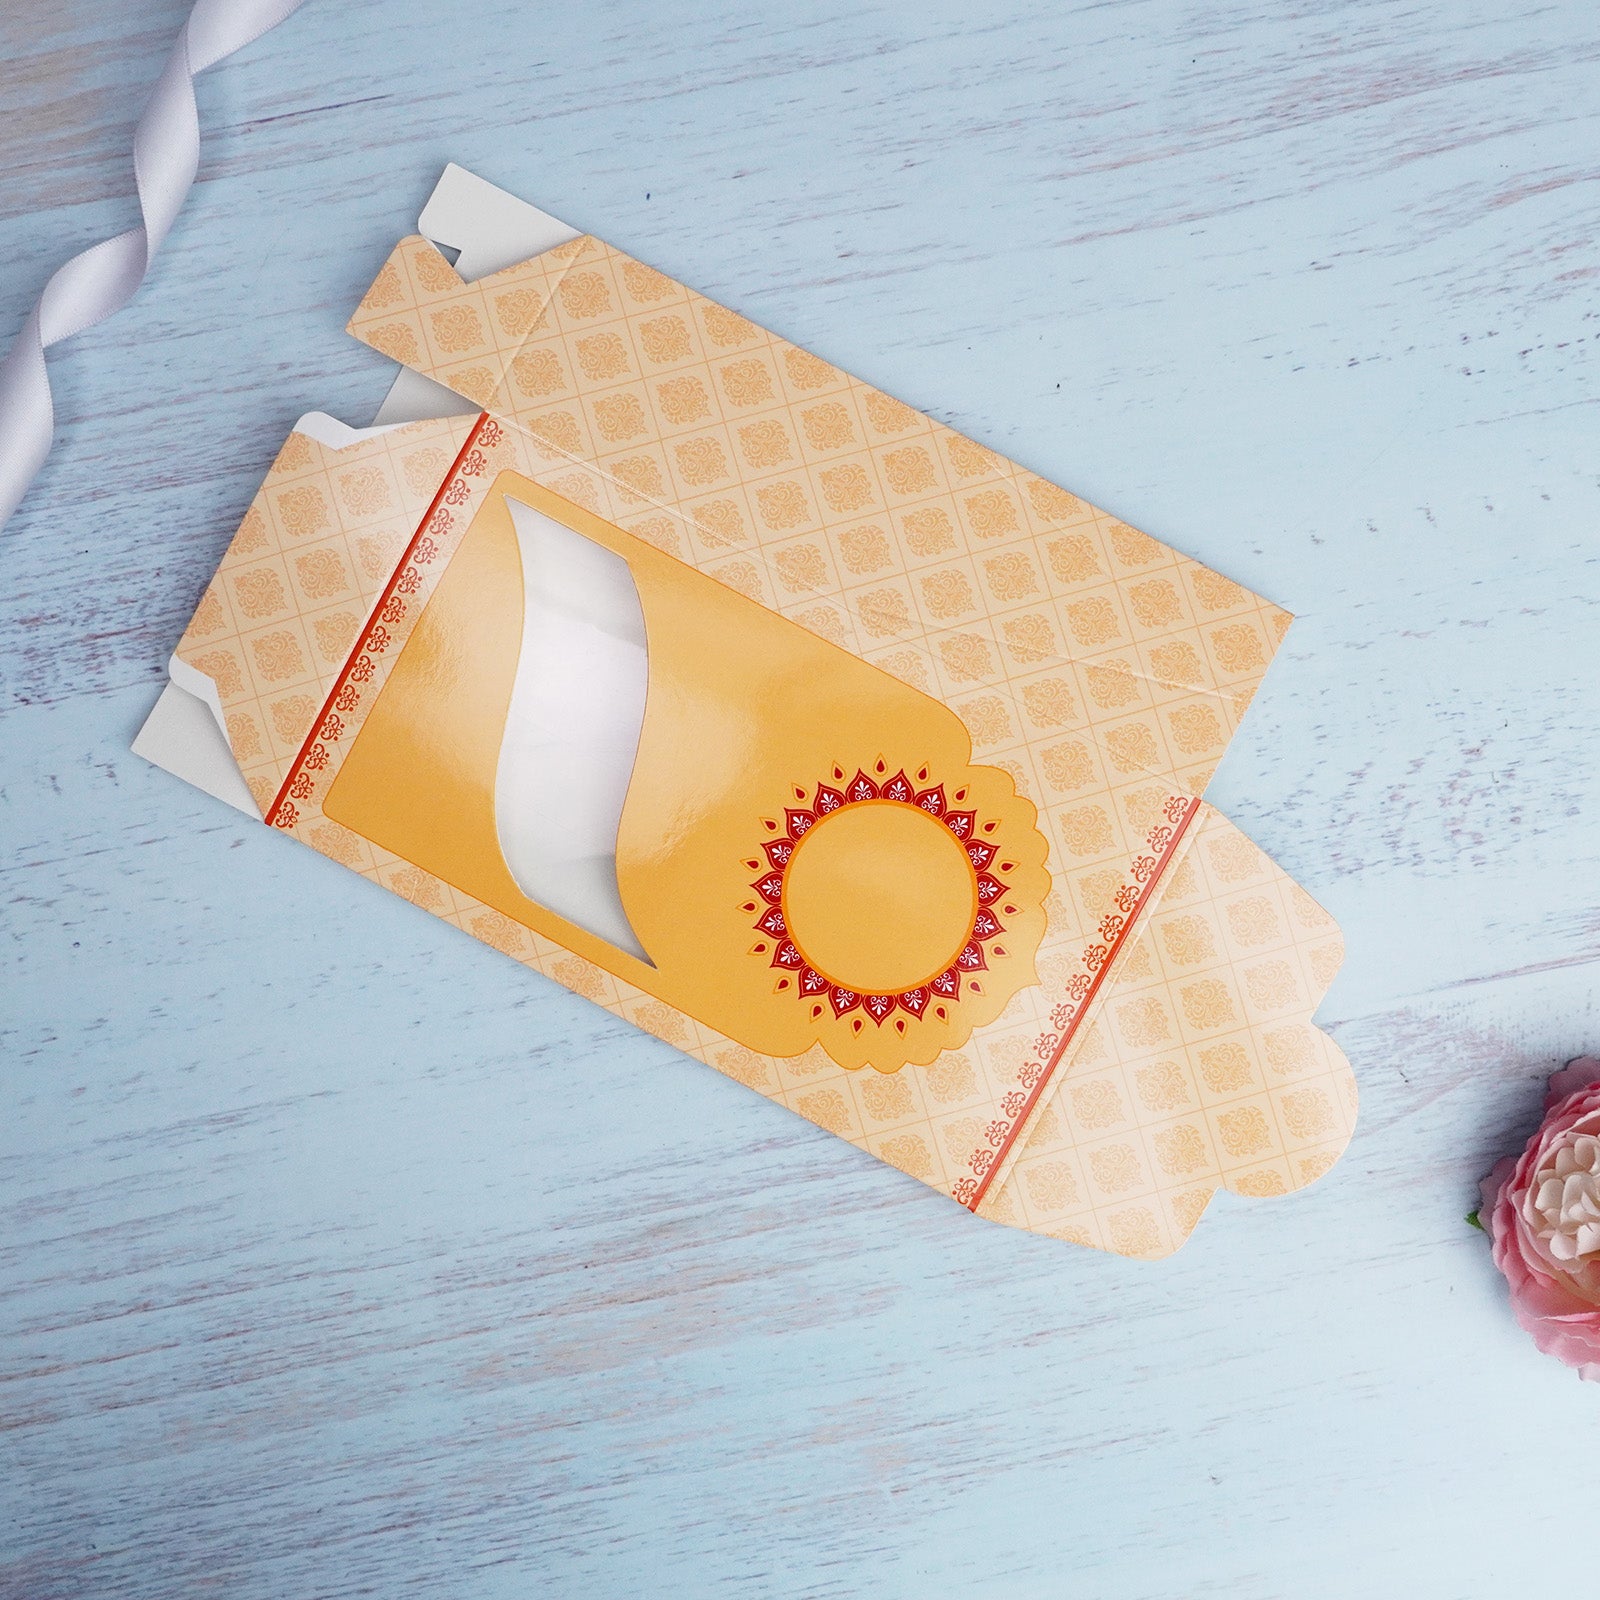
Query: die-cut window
[(572, 732)]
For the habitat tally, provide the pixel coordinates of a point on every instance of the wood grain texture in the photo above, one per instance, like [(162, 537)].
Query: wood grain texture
[(1306, 291)]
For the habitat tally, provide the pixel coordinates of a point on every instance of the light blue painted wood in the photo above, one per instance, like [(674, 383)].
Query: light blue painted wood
[(301, 1290)]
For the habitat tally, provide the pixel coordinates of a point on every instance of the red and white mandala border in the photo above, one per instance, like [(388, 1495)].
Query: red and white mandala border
[(827, 996)]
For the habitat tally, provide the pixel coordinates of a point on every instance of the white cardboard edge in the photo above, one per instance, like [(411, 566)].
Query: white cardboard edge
[(180, 737), (492, 229), (333, 434)]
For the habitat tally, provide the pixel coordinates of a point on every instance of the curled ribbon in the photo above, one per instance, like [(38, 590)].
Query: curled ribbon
[(102, 279)]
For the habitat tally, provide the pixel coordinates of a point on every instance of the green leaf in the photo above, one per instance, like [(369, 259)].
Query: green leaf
[(1472, 1218)]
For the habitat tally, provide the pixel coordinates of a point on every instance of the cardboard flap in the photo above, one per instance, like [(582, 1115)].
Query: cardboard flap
[(312, 559), (1200, 1068)]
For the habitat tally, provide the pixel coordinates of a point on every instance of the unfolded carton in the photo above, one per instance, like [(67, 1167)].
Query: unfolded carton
[(796, 728)]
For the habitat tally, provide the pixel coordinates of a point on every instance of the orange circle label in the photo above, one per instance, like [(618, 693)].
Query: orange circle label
[(880, 897)]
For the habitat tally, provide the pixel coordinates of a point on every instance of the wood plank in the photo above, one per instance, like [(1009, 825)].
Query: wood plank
[(301, 1291)]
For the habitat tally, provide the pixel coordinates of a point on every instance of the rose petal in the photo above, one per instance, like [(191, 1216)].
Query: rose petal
[(1582, 1072)]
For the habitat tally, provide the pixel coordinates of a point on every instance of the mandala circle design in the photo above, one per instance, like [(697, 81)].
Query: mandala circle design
[(881, 899)]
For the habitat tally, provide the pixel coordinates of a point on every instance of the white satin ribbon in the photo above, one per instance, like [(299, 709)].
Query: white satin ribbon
[(101, 280)]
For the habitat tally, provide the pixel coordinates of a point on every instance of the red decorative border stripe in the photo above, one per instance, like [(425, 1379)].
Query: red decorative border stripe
[(282, 812), (1068, 1016)]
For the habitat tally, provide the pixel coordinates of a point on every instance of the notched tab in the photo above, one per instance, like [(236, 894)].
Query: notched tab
[(468, 336), (1200, 1069)]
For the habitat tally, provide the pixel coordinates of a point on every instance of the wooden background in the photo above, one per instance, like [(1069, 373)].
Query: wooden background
[(1307, 291)]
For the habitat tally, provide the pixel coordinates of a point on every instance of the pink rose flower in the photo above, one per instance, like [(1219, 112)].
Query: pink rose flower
[(1542, 1210)]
